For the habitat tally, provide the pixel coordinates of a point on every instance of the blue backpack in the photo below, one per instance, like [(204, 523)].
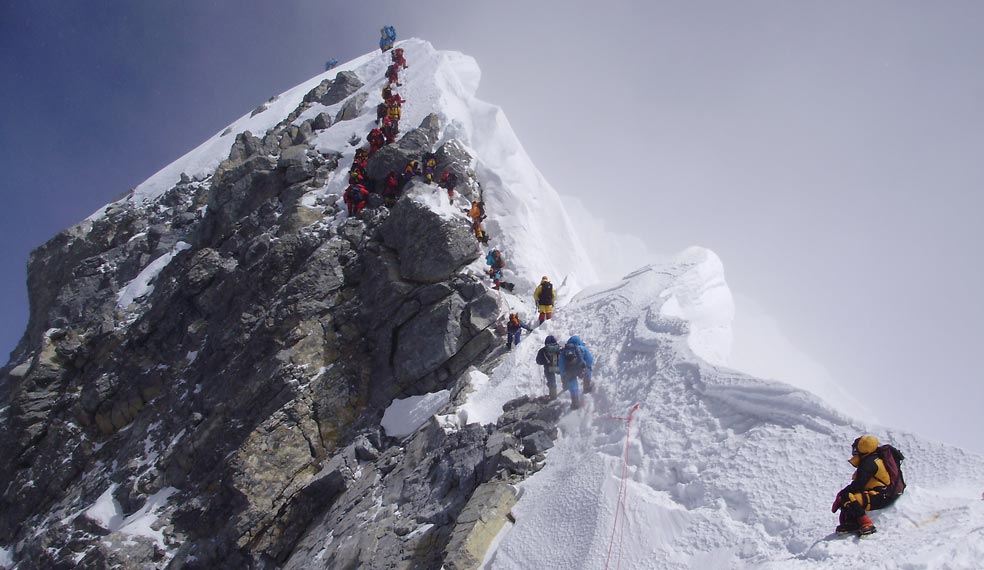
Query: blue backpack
[(573, 361), (389, 32)]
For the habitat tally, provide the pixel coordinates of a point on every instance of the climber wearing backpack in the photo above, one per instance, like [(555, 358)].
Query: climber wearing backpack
[(390, 130), (393, 75), (448, 181), (387, 37), (430, 166), (877, 483), (496, 262), (381, 111), (514, 330), (356, 174), (387, 93), (545, 296), (575, 362), (398, 59), (391, 188), (355, 198), (549, 358), (477, 214), (412, 169), (376, 140)]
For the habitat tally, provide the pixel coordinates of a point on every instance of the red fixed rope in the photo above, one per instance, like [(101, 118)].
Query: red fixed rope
[(622, 490)]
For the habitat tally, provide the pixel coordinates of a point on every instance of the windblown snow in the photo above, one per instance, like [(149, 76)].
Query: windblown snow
[(721, 469)]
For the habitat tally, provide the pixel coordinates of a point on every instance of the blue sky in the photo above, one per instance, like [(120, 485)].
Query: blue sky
[(830, 153)]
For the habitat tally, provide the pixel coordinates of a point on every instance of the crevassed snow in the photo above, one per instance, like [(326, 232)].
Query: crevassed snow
[(142, 284), (403, 417), (724, 470)]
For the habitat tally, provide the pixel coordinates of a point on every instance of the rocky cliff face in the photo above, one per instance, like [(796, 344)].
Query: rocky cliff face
[(203, 376)]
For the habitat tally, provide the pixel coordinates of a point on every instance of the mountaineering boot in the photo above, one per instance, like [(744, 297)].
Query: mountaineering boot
[(575, 403), (865, 526), (847, 528), (587, 385), (553, 392)]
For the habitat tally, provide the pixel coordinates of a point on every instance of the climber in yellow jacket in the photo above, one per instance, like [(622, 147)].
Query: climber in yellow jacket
[(875, 485), (545, 296)]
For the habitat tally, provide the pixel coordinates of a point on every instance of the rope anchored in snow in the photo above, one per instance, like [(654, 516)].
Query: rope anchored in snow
[(622, 490)]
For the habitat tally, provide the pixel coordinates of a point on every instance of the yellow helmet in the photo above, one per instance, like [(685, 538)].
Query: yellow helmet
[(865, 444)]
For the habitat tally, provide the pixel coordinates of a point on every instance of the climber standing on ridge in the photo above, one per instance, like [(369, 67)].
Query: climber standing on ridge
[(387, 37), (576, 362), (514, 330), (549, 358), (877, 483), (398, 58), (545, 296), (387, 93), (393, 108), (448, 181), (381, 111), (496, 262), (393, 75)]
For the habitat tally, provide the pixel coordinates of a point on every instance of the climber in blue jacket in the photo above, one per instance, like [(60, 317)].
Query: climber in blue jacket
[(576, 361)]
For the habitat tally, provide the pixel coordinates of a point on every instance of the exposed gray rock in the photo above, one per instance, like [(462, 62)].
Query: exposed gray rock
[(321, 122), (480, 521), (296, 164), (536, 443), (352, 108), (330, 91), (440, 247)]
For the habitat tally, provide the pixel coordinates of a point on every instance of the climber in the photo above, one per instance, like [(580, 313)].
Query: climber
[(355, 198), (361, 161), (545, 296), (376, 140), (356, 174), (381, 111), (390, 130), (393, 110), (395, 99), (496, 262), (391, 188), (387, 37), (412, 169), (576, 362), (398, 58), (549, 358), (393, 75), (430, 166), (448, 181), (877, 483), (387, 93), (514, 330), (477, 214)]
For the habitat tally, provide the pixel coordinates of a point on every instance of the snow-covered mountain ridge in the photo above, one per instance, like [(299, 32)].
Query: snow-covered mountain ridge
[(217, 365)]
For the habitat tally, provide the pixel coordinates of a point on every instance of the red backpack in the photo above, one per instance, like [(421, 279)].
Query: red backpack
[(892, 459)]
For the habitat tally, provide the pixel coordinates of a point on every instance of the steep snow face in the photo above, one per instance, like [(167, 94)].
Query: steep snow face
[(721, 470)]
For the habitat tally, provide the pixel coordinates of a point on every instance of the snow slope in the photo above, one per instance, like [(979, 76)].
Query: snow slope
[(723, 470)]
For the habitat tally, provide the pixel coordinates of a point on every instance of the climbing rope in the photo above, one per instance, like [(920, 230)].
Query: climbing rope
[(622, 491)]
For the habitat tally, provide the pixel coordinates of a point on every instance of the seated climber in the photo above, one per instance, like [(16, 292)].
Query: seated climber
[(412, 169), (877, 483), (430, 167)]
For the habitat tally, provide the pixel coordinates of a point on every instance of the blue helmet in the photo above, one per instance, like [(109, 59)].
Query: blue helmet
[(574, 340)]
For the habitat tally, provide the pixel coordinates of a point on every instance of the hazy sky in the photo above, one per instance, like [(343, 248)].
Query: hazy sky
[(832, 153)]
